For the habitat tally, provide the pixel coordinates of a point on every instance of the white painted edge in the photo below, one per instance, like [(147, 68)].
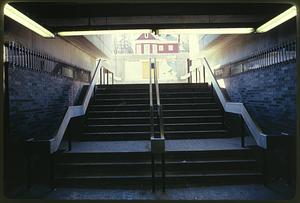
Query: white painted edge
[(186, 76), (189, 74), (238, 108), (116, 78), (74, 111)]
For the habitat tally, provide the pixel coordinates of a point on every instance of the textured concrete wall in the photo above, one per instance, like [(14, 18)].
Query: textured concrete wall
[(229, 48), (57, 47), (38, 101), (269, 94)]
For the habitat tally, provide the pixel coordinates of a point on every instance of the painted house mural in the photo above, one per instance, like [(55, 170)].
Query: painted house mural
[(148, 43)]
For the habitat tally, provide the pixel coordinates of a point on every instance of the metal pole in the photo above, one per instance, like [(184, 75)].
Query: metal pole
[(100, 75), (242, 133), (28, 168), (203, 74), (106, 76), (163, 168), (196, 75), (51, 174), (69, 144), (153, 172)]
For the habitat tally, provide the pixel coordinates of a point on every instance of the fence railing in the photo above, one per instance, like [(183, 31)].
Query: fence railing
[(279, 54), (20, 56), (106, 76)]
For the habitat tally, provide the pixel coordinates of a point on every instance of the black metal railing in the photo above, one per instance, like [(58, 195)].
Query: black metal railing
[(17, 55), (195, 73), (282, 53), (106, 76), (157, 140)]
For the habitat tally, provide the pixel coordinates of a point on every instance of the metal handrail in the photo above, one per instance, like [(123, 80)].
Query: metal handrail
[(151, 109), (237, 108), (159, 106), (74, 111), (157, 143), (102, 76), (189, 75)]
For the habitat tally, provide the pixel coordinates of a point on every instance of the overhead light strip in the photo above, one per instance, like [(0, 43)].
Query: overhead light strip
[(207, 31), (19, 17), (103, 32), (281, 18)]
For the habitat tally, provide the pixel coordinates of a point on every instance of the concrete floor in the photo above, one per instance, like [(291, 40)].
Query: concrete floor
[(171, 145), (228, 192), (221, 192)]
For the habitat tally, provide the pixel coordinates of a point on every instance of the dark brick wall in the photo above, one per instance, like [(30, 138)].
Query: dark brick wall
[(269, 95), (38, 101)]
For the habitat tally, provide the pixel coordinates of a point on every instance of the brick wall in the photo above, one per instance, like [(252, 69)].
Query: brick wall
[(38, 101), (269, 95)]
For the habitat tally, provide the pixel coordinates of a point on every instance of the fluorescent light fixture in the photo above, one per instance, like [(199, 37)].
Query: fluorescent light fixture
[(207, 31), (102, 32), (19, 17), (281, 18)]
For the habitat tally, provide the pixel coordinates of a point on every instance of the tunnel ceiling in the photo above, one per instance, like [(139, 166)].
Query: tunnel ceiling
[(80, 16)]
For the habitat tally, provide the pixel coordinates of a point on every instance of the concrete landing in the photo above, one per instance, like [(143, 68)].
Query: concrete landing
[(144, 146), (229, 192)]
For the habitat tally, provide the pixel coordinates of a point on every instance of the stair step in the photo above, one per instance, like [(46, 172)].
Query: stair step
[(115, 136), (145, 180), (192, 112), (163, 100), (146, 94), (146, 106), (146, 126), (145, 135), (119, 113), (196, 134), (141, 120), (131, 168)]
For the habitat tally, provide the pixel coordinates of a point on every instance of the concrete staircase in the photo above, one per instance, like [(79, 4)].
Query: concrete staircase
[(113, 149)]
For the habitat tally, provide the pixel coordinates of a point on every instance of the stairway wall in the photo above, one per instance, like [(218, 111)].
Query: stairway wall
[(269, 94), (38, 101)]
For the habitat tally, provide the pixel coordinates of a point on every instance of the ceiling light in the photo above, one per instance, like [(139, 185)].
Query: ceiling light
[(103, 32), (281, 18), (19, 17), (207, 31)]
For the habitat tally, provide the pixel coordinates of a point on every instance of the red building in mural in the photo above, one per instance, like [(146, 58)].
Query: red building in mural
[(147, 43)]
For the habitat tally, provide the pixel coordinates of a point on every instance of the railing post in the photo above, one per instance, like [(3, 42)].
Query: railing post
[(163, 171), (52, 171), (69, 144), (242, 132), (203, 74), (196, 75), (188, 70), (153, 171), (28, 167), (107, 78)]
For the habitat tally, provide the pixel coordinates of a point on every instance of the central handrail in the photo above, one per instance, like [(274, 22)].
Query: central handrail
[(151, 109), (238, 108), (157, 142), (159, 106)]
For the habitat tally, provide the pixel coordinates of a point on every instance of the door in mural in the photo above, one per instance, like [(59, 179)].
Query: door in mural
[(146, 71)]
